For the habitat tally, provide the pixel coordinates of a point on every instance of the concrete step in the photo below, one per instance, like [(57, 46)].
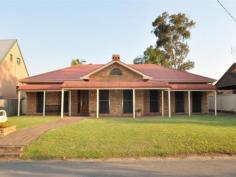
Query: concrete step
[(10, 155), (11, 149)]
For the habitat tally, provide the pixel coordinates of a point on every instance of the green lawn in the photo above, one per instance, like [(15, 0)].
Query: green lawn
[(30, 121), (147, 137)]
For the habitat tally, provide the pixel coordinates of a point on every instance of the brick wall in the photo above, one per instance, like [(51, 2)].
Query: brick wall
[(31, 103), (139, 96), (127, 75), (116, 96), (53, 98), (205, 102), (172, 101), (74, 102), (116, 108), (92, 100)]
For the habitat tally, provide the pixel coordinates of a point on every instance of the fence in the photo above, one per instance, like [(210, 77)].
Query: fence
[(9, 105), (225, 103)]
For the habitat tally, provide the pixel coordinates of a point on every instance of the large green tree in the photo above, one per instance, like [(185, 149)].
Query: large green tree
[(171, 49), (76, 61)]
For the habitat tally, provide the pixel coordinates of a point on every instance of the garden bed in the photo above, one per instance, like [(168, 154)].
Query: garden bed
[(6, 130)]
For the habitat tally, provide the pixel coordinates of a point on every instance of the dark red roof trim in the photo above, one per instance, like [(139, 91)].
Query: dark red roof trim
[(104, 84), (34, 87)]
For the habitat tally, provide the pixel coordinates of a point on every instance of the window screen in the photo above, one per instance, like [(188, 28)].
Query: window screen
[(104, 101), (39, 102), (154, 106), (127, 101)]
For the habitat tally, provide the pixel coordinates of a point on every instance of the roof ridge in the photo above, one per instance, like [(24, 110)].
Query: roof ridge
[(9, 48), (8, 39)]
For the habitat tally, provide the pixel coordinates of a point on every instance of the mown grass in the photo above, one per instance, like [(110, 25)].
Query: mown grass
[(147, 137), (30, 121)]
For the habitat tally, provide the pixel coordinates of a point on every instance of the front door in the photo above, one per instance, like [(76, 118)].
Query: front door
[(83, 102)]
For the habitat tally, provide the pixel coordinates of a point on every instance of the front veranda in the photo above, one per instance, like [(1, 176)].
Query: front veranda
[(116, 102)]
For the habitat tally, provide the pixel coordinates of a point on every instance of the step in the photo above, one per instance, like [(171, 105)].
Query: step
[(10, 148), (10, 155)]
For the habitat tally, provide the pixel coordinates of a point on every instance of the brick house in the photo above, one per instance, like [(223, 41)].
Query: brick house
[(117, 89)]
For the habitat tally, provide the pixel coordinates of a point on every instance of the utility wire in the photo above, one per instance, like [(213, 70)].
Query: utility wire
[(228, 12)]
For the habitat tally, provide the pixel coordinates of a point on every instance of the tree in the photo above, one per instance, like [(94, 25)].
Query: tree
[(155, 56), (77, 62), (171, 50)]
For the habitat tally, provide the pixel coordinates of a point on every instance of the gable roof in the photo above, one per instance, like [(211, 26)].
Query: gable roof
[(156, 72), (228, 80), (145, 77), (5, 47)]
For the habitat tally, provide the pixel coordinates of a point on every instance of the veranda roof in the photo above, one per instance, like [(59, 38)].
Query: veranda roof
[(107, 84), (115, 85), (39, 87), (192, 87)]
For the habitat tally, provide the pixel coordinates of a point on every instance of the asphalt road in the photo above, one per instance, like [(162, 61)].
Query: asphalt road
[(124, 168)]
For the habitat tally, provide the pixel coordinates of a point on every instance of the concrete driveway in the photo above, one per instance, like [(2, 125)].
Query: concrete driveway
[(124, 168)]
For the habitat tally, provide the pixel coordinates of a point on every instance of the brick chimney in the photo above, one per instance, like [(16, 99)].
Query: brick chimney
[(115, 57)]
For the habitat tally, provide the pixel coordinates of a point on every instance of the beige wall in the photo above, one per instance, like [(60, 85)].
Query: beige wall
[(11, 72)]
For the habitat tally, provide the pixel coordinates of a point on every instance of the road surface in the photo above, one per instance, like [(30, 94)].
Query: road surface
[(119, 168)]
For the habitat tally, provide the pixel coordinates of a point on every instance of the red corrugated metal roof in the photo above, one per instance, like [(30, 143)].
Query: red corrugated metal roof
[(160, 73), (157, 72), (192, 87), (123, 84), (65, 74)]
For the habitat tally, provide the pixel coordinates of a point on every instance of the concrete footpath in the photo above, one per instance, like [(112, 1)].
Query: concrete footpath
[(120, 168)]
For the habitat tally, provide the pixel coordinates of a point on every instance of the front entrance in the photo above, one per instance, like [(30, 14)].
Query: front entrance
[(83, 102)]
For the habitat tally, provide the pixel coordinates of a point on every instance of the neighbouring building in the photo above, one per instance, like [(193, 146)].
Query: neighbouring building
[(12, 69), (228, 81), (226, 88), (117, 89)]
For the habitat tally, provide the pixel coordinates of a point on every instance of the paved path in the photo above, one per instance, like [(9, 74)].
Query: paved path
[(26, 136), (133, 168)]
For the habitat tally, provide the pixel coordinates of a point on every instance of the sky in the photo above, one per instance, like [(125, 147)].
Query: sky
[(52, 33)]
